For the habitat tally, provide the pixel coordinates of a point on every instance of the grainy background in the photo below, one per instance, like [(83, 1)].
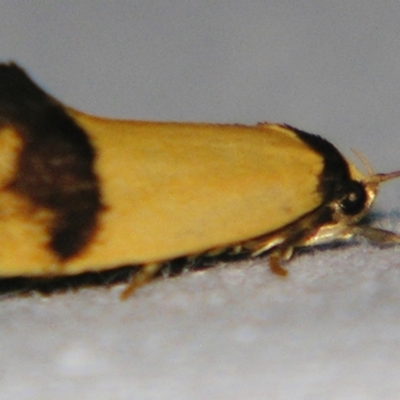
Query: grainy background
[(331, 330)]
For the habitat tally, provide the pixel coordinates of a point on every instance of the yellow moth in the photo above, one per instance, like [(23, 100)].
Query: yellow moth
[(80, 193)]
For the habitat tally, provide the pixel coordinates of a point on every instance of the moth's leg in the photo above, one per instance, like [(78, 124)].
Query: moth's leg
[(145, 274), (276, 258), (279, 251), (275, 264), (377, 235)]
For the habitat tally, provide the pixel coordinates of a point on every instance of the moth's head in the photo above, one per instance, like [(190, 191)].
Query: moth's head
[(356, 196)]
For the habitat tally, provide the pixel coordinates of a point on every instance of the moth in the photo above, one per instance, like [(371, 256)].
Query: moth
[(80, 193)]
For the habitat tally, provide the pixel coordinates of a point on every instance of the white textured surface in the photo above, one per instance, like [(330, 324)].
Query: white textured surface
[(332, 329)]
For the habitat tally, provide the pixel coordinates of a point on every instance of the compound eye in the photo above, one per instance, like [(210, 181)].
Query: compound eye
[(354, 199)]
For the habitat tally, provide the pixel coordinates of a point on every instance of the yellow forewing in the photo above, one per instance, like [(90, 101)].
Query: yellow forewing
[(175, 189)]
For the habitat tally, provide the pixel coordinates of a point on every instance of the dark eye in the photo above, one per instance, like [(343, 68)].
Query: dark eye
[(354, 198)]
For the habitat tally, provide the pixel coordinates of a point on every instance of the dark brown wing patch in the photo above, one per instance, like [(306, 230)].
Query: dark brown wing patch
[(55, 169)]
